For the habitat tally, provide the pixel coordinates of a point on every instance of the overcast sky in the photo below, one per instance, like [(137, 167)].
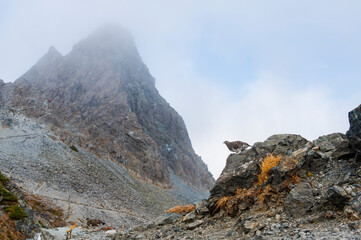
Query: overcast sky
[(234, 70)]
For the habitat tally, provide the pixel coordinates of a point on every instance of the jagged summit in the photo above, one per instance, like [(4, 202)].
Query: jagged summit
[(102, 97)]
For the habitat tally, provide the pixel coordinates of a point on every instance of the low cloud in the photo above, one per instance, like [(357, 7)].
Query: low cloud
[(270, 106)]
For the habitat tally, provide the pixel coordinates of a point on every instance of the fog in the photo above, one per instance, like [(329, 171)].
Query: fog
[(234, 70)]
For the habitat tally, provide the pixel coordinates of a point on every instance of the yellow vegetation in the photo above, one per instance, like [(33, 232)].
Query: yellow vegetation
[(181, 209), (221, 203), (267, 164), (249, 196), (68, 233), (8, 229)]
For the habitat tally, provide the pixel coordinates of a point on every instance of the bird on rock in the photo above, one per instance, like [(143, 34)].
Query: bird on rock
[(236, 146)]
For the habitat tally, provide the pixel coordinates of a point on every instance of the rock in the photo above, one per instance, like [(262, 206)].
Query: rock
[(299, 201), (288, 165), (242, 169), (194, 225), (351, 213), (354, 133), (60, 233), (249, 226), (111, 232), (337, 196), (189, 217), (167, 218), (201, 207), (335, 146), (356, 203)]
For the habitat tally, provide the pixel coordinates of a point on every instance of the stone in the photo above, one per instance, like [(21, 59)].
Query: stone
[(337, 196), (60, 233), (356, 203), (288, 165), (167, 218), (111, 232), (194, 225), (335, 146), (201, 207), (189, 217), (351, 214), (249, 226), (354, 133), (299, 201)]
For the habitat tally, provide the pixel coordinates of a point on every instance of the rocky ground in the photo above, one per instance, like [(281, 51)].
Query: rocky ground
[(311, 190), (283, 188), (45, 170)]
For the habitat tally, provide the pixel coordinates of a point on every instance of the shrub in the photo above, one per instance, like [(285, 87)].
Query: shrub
[(181, 209), (7, 196), (221, 203), (74, 148), (16, 212), (267, 164), (3, 179)]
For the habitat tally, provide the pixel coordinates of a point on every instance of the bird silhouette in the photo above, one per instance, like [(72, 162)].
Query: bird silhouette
[(236, 146)]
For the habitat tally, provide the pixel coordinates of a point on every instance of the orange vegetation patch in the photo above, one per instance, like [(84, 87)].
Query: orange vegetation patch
[(8, 230), (221, 203), (181, 209), (51, 215), (267, 164)]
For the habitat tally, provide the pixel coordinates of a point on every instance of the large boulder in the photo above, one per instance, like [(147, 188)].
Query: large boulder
[(299, 201), (242, 169), (354, 133)]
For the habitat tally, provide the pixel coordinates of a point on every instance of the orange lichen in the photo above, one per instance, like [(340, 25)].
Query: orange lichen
[(181, 209)]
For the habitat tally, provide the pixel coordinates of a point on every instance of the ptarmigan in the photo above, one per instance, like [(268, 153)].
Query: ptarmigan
[(236, 146)]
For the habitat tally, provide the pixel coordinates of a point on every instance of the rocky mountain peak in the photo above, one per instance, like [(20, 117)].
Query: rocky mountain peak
[(102, 97)]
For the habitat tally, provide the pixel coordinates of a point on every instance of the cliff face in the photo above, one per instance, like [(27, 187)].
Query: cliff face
[(101, 97)]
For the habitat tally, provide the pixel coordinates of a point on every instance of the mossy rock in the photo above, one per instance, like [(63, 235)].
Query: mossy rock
[(16, 212)]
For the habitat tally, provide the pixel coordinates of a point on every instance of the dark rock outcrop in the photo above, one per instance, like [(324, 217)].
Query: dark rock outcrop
[(241, 170), (101, 97), (354, 133)]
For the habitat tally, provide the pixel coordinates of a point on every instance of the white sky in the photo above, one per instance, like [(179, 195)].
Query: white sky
[(234, 70)]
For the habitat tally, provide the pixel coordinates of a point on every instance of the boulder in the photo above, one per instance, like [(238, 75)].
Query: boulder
[(335, 146), (299, 201), (354, 133), (242, 169), (189, 217), (337, 196), (201, 207)]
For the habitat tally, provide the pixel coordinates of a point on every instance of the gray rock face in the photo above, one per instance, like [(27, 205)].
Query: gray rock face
[(354, 133), (299, 201), (97, 95), (335, 145)]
